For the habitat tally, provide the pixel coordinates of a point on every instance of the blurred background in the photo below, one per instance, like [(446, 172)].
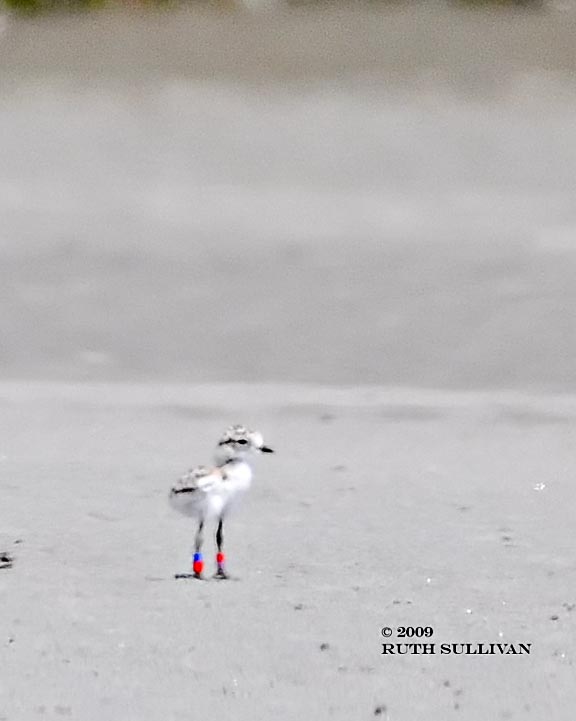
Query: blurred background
[(361, 193)]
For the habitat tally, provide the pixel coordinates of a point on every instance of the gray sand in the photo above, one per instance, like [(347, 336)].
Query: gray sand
[(377, 510), (373, 214)]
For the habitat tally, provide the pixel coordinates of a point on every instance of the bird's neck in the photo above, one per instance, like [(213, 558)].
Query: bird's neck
[(238, 471), (223, 457)]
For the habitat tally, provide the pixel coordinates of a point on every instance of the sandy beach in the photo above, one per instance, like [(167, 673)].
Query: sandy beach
[(454, 515), (354, 231)]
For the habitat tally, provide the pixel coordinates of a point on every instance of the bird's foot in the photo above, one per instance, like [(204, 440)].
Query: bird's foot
[(197, 576), (221, 574), (198, 565), (197, 568)]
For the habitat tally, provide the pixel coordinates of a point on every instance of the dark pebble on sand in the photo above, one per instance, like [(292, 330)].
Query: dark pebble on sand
[(324, 646), (379, 710), (327, 417)]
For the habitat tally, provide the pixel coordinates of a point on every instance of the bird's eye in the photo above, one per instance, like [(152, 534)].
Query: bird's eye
[(242, 442)]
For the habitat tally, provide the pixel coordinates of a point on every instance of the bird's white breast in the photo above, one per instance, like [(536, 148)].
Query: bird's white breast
[(238, 476)]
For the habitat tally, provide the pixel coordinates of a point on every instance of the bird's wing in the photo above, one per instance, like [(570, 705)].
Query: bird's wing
[(199, 479)]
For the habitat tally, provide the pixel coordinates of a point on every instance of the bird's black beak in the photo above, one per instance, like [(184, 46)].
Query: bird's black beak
[(265, 449)]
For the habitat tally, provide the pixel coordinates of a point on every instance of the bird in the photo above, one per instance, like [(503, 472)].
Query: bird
[(208, 493)]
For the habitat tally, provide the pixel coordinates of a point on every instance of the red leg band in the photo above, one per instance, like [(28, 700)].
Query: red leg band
[(198, 566), (220, 559)]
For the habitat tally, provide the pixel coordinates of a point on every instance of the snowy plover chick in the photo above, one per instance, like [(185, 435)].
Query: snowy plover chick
[(210, 493)]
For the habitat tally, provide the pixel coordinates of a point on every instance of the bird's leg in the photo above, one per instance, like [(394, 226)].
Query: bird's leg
[(220, 572), (198, 563)]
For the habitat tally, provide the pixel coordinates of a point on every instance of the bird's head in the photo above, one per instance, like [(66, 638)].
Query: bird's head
[(238, 443)]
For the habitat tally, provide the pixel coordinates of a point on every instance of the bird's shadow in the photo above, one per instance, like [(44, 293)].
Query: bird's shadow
[(194, 577)]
